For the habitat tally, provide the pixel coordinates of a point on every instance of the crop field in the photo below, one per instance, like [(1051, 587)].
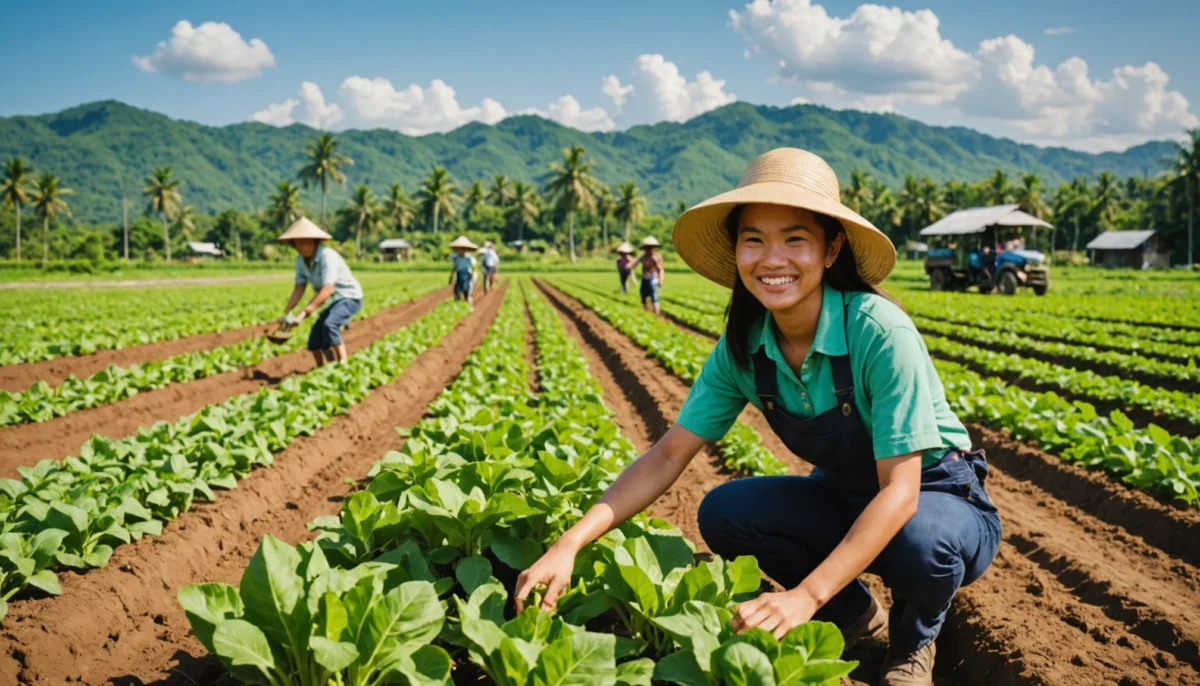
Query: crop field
[(182, 502)]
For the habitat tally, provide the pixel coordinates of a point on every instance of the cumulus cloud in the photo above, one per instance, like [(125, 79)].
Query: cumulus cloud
[(314, 111), (619, 94), (1060, 31), (208, 53), (800, 100), (277, 114), (414, 110), (568, 112), (659, 91)]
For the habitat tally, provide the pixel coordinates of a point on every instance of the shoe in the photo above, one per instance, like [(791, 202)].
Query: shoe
[(871, 624), (914, 669)]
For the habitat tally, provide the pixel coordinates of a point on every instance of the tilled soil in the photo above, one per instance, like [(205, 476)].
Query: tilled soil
[(122, 624), (25, 444), (1095, 583)]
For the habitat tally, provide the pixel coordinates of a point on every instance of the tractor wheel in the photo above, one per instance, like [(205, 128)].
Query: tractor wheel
[(1039, 290), (1007, 284), (937, 280)]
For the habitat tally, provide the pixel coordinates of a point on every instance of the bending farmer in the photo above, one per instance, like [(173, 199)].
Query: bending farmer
[(330, 277), (462, 267), (845, 380), (652, 274)]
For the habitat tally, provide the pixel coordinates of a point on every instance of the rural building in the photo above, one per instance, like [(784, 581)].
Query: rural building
[(1131, 250), (198, 250), (395, 250)]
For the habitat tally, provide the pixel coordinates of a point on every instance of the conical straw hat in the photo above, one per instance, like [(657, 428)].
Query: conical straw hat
[(650, 242), (303, 228), (463, 242), (784, 176), (625, 248)]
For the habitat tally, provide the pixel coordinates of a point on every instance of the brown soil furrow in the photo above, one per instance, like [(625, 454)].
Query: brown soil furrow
[(531, 352), (25, 444), (123, 623)]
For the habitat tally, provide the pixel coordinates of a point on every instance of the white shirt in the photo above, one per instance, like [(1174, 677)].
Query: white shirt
[(328, 267)]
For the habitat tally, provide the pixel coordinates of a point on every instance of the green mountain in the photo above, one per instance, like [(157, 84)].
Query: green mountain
[(105, 149)]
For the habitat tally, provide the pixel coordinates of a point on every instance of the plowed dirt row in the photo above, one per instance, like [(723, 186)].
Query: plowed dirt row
[(123, 624), (1072, 598), (25, 444)]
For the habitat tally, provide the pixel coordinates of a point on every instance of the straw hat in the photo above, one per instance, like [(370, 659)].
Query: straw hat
[(625, 248), (784, 176), (303, 228), (650, 242), (463, 242)]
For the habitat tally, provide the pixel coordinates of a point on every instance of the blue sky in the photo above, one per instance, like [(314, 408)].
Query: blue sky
[(527, 56)]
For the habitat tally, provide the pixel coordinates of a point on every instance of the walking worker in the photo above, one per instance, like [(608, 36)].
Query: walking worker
[(462, 267), (843, 377), (625, 262), (491, 265), (322, 267), (652, 274)]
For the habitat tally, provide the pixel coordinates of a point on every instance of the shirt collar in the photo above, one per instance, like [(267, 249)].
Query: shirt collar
[(830, 338)]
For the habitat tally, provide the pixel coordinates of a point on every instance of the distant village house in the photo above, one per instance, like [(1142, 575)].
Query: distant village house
[(1130, 250), (395, 250)]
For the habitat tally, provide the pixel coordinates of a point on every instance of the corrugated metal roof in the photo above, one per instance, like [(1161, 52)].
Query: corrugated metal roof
[(977, 219), (394, 244), (1120, 240)]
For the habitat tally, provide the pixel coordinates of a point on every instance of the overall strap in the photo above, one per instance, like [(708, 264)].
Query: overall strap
[(843, 378), (766, 385)]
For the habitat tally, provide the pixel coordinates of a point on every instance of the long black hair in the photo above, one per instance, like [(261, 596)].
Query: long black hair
[(745, 310)]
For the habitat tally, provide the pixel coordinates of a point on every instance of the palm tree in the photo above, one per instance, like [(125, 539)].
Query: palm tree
[(856, 195), (884, 209), (1186, 182), (605, 205), (500, 192), (48, 203), (475, 198), (365, 211), (398, 207), (524, 206), (921, 202), (324, 165), (14, 191), (1107, 200), (996, 189), (1029, 196), (1071, 202), (163, 193), (438, 195), (285, 205), (185, 221), (631, 206), (573, 186)]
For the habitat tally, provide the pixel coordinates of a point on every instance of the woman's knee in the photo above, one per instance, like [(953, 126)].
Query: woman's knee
[(720, 515)]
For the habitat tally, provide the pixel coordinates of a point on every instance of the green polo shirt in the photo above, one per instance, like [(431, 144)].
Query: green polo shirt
[(896, 389)]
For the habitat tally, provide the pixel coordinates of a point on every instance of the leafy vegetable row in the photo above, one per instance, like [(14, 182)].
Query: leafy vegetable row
[(41, 402), (72, 514), (489, 476)]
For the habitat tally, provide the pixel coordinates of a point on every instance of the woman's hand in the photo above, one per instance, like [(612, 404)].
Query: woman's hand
[(553, 570), (778, 613)]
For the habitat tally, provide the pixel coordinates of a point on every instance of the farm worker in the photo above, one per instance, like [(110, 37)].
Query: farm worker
[(462, 267), (843, 377), (323, 268), (491, 265), (625, 263), (652, 274)]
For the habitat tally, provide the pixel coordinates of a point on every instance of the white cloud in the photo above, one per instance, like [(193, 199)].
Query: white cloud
[(619, 94), (1060, 31), (661, 92), (415, 110), (568, 112), (315, 111), (210, 52)]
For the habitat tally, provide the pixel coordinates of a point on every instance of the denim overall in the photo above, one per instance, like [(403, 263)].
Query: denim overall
[(792, 523)]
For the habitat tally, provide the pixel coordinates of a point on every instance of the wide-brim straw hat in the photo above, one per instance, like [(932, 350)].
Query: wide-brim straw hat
[(625, 248), (784, 176), (303, 228), (650, 242), (464, 243)]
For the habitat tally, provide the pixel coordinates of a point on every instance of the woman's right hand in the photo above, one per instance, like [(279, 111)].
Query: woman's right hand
[(552, 570)]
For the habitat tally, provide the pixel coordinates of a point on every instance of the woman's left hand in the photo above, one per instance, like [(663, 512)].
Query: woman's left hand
[(777, 613)]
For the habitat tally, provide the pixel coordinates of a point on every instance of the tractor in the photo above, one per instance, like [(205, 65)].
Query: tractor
[(965, 250)]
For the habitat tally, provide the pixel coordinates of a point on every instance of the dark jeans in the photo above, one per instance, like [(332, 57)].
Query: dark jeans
[(462, 285), (624, 274), (327, 330), (792, 523)]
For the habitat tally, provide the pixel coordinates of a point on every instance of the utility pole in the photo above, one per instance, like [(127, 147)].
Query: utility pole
[(125, 222)]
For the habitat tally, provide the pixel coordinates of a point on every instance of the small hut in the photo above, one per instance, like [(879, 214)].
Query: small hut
[(197, 250), (395, 250), (1130, 250)]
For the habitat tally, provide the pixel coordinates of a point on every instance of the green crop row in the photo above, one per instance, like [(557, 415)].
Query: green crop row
[(428, 552), (42, 402), (72, 514)]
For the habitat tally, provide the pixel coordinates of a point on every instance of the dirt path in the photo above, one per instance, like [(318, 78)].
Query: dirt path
[(25, 444), (123, 624), (1094, 584), (133, 283)]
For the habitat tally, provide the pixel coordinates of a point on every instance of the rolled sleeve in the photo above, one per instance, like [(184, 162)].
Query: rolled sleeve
[(715, 401), (903, 416)]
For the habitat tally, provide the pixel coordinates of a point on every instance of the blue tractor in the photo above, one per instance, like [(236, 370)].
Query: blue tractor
[(966, 249)]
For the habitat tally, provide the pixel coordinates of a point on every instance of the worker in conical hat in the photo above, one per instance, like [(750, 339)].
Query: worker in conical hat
[(462, 268), (652, 274), (625, 262), (324, 269)]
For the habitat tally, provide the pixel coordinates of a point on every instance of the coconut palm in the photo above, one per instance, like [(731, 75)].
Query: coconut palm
[(48, 204), (500, 192), (475, 198), (286, 206), (366, 211), (997, 190), (438, 196), (1029, 196), (631, 206), (921, 202), (398, 207), (1070, 204), (524, 206), (324, 165), (1106, 202), (185, 221), (162, 192), (883, 209), (605, 205), (856, 195), (1185, 168), (14, 190), (573, 186)]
